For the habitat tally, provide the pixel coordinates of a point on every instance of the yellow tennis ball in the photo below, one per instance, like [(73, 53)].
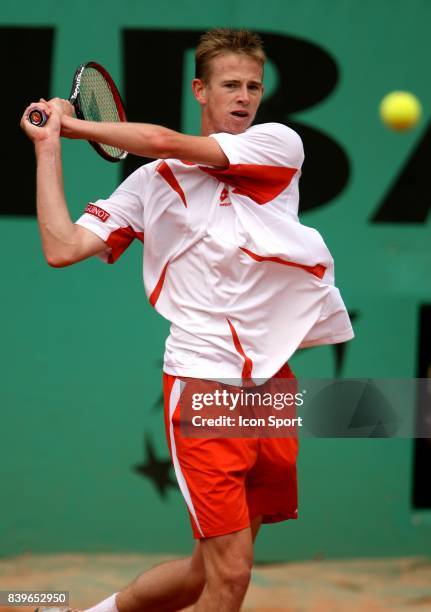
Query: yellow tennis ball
[(400, 110)]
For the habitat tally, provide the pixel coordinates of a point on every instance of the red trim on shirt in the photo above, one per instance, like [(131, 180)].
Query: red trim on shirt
[(164, 170), (120, 239), (260, 183), (317, 270), (158, 288), (248, 363)]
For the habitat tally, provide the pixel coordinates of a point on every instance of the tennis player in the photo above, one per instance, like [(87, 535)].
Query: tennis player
[(242, 282)]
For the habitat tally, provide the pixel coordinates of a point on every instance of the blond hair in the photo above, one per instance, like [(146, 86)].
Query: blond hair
[(225, 40)]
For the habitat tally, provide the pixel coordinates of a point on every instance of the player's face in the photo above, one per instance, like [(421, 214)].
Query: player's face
[(230, 99)]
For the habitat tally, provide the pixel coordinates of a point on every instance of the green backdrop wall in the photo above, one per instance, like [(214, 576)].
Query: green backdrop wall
[(83, 454)]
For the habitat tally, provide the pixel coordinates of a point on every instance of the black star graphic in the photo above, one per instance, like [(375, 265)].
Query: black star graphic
[(157, 470)]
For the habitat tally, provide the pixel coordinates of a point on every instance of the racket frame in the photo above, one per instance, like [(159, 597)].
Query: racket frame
[(74, 99)]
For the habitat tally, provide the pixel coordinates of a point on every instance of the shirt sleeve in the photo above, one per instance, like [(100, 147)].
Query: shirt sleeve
[(262, 160), (266, 144), (119, 219)]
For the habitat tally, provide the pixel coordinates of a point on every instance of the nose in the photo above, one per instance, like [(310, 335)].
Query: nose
[(243, 95)]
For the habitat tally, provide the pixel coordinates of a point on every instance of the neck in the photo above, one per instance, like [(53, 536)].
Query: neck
[(207, 127)]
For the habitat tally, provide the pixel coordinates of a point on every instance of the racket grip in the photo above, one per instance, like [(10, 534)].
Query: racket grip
[(38, 117)]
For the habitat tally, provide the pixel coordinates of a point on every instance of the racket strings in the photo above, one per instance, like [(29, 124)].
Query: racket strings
[(98, 103)]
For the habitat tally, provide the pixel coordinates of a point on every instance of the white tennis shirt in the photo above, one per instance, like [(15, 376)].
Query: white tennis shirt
[(226, 260)]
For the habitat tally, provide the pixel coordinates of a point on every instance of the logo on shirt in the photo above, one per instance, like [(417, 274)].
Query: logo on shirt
[(224, 198), (101, 214)]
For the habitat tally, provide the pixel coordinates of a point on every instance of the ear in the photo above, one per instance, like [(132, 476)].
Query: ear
[(199, 91)]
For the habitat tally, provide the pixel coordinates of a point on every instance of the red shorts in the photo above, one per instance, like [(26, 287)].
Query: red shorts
[(226, 482)]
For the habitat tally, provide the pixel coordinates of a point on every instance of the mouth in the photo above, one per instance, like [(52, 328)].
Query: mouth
[(240, 114)]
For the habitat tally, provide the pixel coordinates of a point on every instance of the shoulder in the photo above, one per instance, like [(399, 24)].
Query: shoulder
[(275, 130), (265, 144), (279, 140)]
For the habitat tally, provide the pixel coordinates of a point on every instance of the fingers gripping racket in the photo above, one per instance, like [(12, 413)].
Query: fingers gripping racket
[(95, 98)]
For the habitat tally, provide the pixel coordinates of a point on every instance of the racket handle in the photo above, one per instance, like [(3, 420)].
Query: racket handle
[(38, 117)]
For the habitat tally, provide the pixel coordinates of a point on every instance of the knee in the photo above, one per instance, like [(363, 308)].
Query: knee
[(234, 577), (238, 578)]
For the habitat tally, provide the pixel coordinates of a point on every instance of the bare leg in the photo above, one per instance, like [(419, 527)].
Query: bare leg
[(166, 587), (178, 584), (170, 586), (228, 561)]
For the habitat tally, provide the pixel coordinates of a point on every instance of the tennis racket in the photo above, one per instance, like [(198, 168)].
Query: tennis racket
[(95, 98)]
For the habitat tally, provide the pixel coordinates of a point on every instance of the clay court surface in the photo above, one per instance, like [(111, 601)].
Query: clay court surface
[(318, 586)]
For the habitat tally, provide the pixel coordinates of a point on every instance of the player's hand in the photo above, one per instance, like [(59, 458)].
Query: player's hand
[(52, 127), (63, 107), (66, 111)]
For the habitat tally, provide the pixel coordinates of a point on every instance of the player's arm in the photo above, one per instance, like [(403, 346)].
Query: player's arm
[(63, 242), (148, 140)]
